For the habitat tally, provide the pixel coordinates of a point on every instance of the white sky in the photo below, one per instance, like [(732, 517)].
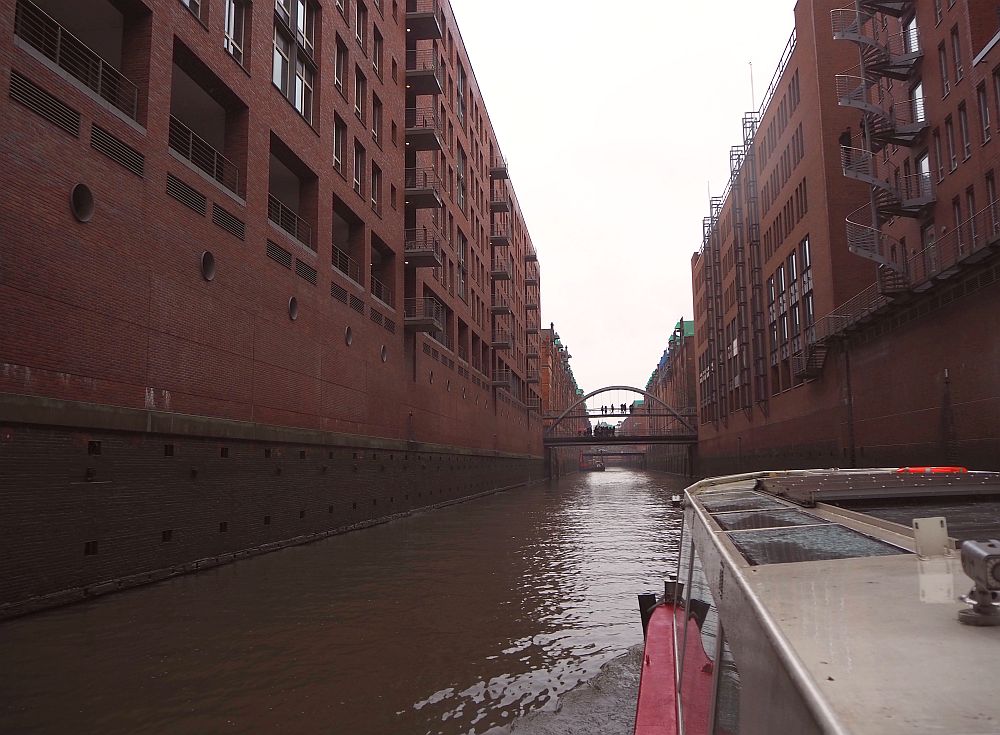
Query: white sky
[(614, 118)]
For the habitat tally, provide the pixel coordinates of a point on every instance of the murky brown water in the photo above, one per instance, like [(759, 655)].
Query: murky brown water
[(468, 619)]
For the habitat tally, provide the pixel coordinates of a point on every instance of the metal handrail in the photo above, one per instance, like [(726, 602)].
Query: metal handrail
[(382, 292), (347, 265), (427, 118), (503, 264), (860, 163), (500, 229), (500, 335), (197, 150), (423, 178), (287, 219), (421, 240), (423, 307), (502, 375), (500, 301), (967, 238), (36, 27), (423, 60), (854, 91), (848, 24), (442, 338)]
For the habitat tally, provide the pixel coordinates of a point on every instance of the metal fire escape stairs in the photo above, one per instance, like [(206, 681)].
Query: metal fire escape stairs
[(886, 121), (715, 252), (741, 379), (752, 214)]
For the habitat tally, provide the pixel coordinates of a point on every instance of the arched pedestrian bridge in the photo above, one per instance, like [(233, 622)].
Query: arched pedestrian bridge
[(620, 414)]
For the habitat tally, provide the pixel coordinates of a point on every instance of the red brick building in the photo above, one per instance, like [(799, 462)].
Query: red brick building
[(846, 285), (251, 232)]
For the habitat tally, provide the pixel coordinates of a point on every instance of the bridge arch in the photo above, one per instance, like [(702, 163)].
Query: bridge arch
[(610, 388)]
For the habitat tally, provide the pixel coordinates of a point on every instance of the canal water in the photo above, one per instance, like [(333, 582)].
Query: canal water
[(512, 613)]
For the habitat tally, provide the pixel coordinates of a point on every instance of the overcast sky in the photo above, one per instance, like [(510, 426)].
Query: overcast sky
[(616, 119)]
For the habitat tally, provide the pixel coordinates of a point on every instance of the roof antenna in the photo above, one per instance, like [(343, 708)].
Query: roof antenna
[(753, 97)]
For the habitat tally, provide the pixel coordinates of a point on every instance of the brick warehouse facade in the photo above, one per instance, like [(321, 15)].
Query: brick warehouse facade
[(845, 292), (281, 254)]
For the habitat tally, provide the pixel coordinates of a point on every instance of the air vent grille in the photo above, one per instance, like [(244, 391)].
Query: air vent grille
[(278, 254), (37, 100), (228, 222), (357, 304), (306, 271), (390, 326), (186, 195), (338, 292), (117, 150), (376, 317)]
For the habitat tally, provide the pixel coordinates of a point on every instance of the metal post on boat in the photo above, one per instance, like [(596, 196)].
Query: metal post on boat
[(673, 591), (647, 601)]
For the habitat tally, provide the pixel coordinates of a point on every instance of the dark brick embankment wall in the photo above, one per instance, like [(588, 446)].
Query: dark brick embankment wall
[(97, 499), (675, 459)]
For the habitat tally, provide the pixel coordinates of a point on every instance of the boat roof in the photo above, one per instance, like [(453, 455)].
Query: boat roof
[(868, 626)]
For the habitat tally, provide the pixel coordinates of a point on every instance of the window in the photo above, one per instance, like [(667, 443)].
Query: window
[(303, 89), (376, 119), (956, 55), (792, 268), (963, 125), (194, 6), (780, 279), (956, 213), (282, 59), (924, 173), (949, 129), (360, 93), (911, 36), (339, 135), (937, 11), (460, 93), (937, 154), (917, 95), (984, 111), (991, 195), (970, 207), (376, 189), (305, 25), (806, 255), (943, 64), (235, 12), (340, 64), (360, 22), (359, 168), (340, 6), (378, 50)]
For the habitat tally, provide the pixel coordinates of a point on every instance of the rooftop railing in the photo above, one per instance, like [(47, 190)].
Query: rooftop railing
[(348, 266), (34, 26), (195, 149), (287, 219)]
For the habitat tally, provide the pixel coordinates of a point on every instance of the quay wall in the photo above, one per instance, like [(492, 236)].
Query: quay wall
[(98, 498), (923, 389)]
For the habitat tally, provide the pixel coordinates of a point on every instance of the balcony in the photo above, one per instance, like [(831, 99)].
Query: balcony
[(383, 293), (501, 340), (974, 240), (500, 234), (423, 21), (532, 353), (531, 376), (346, 264), (423, 188), (498, 169), (442, 338), (500, 306), (889, 55), (195, 149), (288, 220), (499, 199), (531, 278), (424, 131), (423, 315), (43, 33), (531, 303), (531, 330), (423, 75), (501, 270), (533, 402), (422, 248), (890, 122), (502, 378), (530, 257)]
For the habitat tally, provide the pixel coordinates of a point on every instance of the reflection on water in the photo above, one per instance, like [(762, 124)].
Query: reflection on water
[(460, 620)]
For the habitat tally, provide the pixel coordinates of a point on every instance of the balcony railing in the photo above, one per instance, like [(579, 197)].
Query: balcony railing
[(348, 266), (423, 72), (423, 308), (195, 149), (383, 293), (69, 53), (287, 219), (971, 238), (423, 118), (442, 338), (463, 353)]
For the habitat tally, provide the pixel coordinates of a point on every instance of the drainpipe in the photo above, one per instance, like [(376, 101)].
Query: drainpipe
[(851, 458)]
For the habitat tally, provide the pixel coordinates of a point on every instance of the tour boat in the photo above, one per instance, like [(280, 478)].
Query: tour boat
[(828, 601)]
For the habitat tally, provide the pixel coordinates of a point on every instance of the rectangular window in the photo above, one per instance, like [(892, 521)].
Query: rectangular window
[(282, 61), (378, 50), (235, 12), (339, 136), (963, 125), (924, 174), (937, 154), (917, 97), (194, 6), (949, 129), (360, 94), (937, 11), (303, 89), (792, 268), (956, 55), (943, 64), (340, 64), (359, 168), (970, 207), (984, 111), (806, 255), (305, 23), (376, 189), (991, 195), (780, 279), (376, 119), (956, 213), (360, 22)]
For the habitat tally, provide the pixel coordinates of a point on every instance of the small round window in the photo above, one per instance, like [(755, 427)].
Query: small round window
[(385, 354), (293, 308), (348, 336), (207, 265), (81, 201)]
